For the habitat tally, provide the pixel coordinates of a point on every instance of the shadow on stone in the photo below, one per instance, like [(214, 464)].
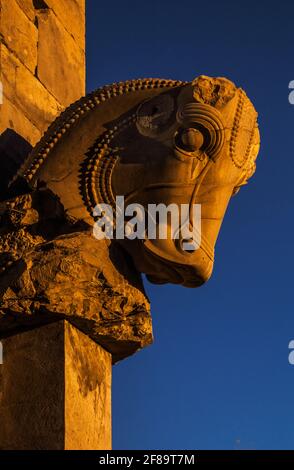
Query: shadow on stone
[(13, 151)]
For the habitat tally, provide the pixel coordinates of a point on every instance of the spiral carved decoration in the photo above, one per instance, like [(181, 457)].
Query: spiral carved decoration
[(207, 120)]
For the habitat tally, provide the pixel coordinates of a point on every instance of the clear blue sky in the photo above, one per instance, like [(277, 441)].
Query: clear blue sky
[(217, 376)]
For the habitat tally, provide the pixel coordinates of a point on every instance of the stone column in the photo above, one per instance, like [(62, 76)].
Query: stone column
[(55, 390)]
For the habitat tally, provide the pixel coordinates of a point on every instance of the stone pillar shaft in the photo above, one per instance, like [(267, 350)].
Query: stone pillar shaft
[(55, 391)]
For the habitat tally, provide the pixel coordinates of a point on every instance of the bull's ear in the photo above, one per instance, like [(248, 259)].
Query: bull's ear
[(156, 115)]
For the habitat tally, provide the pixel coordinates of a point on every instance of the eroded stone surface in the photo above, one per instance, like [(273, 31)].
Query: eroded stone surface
[(66, 82), (87, 393), (53, 267), (55, 50), (19, 33)]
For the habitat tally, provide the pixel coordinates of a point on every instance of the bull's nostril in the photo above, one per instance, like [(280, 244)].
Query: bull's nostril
[(190, 139)]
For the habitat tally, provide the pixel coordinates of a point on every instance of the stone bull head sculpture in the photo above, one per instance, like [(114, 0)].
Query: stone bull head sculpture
[(153, 141)]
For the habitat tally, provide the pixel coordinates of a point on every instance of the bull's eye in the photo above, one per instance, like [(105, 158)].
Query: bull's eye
[(155, 115), (189, 139)]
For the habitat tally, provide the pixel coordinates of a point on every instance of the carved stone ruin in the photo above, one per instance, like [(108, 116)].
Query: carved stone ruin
[(67, 298)]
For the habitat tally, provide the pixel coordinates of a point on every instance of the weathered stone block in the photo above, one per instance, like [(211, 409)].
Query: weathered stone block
[(72, 18), (26, 93), (19, 33), (61, 63), (55, 391)]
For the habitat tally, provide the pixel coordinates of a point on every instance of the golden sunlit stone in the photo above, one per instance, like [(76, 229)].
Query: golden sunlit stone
[(70, 305)]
